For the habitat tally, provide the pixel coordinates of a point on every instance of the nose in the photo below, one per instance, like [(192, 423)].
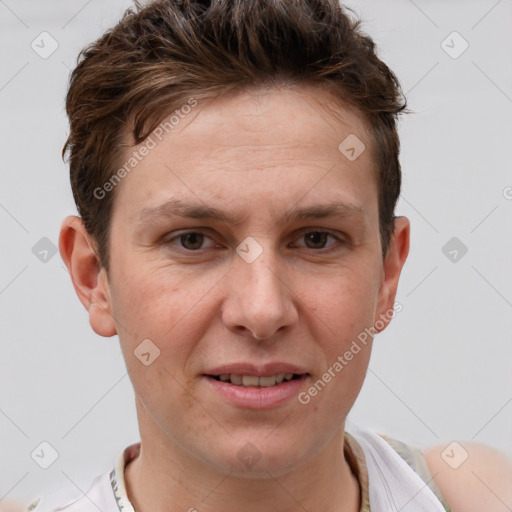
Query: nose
[(259, 302)]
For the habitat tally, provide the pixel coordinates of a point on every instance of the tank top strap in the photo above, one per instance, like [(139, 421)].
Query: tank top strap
[(416, 460), (411, 456)]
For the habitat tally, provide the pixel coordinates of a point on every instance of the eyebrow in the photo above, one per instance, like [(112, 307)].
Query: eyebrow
[(178, 207)]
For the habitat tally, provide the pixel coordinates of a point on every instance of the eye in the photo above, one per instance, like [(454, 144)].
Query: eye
[(194, 241), (191, 240), (318, 239)]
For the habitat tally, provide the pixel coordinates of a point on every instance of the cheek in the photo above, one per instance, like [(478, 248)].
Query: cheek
[(163, 394), (346, 303), (172, 308), (137, 308), (148, 299)]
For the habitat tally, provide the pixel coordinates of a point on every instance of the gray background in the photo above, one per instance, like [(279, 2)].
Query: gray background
[(442, 371)]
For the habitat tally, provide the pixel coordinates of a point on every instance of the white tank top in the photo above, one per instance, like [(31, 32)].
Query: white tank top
[(393, 486)]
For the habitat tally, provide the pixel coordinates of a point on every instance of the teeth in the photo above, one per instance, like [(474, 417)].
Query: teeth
[(249, 380), (236, 379), (265, 382), (254, 380)]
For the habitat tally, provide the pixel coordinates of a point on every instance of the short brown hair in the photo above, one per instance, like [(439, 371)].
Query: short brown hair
[(163, 53)]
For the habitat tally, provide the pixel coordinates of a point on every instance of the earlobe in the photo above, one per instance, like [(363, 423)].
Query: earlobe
[(393, 264), (88, 276)]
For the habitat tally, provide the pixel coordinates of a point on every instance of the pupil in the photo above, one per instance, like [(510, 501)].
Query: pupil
[(195, 240), (192, 240), (317, 238)]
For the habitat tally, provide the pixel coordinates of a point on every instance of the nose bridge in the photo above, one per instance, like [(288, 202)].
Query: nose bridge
[(259, 281), (259, 300)]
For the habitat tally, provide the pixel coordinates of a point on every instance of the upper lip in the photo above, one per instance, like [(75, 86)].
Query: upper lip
[(266, 370)]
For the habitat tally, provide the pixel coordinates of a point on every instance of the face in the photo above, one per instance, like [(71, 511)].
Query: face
[(246, 243)]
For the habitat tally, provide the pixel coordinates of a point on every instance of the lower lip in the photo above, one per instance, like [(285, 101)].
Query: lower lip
[(257, 398)]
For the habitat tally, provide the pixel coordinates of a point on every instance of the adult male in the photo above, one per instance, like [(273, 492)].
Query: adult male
[(235, 167)]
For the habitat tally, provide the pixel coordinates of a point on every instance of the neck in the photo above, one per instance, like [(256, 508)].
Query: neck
[(165, 477)]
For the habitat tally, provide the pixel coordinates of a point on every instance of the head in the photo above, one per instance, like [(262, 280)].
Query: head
[(235, 167)]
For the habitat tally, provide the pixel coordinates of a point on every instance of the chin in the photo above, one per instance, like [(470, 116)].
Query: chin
[(260, 458)]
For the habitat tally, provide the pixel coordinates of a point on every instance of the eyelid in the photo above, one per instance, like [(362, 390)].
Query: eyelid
[(333, 234), (177, 234), (297, 235)]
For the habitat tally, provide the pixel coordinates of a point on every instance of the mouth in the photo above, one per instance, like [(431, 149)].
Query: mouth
[(255, 392), (248, 386), (254, 381)]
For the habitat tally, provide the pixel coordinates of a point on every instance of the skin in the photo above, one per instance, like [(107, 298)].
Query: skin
[(256, 155), (482, 482)]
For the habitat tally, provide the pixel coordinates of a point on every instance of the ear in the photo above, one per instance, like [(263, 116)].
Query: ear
[(89, 278), (393, 263)]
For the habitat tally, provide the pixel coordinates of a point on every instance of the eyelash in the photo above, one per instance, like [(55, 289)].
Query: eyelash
[(303, 234)]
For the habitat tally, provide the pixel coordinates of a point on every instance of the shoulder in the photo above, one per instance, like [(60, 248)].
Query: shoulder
[(11, 507), (471, 476)]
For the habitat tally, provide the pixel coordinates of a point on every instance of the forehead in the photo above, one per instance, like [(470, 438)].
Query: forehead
[(256, 143), (246, 123)]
